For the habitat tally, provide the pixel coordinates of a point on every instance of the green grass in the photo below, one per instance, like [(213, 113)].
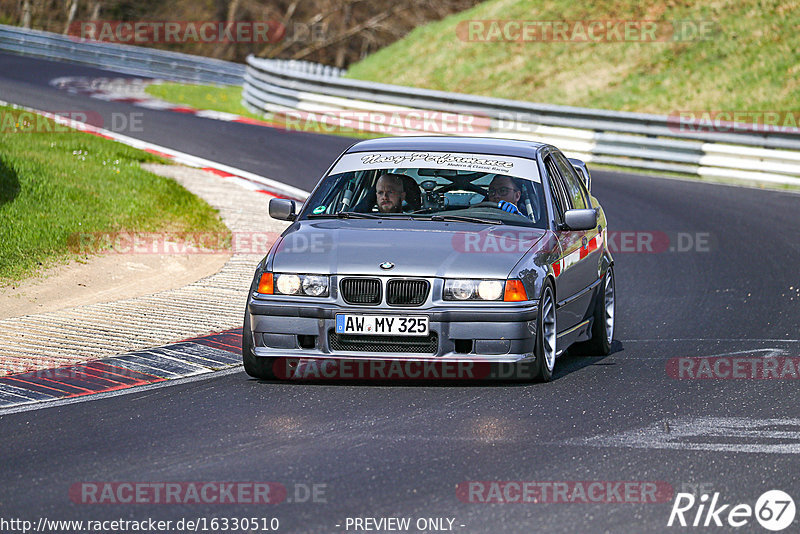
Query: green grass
[(217, 97), (56, 184), (752, 61)]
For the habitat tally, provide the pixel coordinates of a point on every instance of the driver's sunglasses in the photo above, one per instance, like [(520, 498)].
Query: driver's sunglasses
[(501, 191)]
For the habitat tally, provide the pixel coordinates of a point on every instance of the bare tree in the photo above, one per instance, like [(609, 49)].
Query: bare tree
[(26, 13), (334, 32), (71, 10), (96, 10)]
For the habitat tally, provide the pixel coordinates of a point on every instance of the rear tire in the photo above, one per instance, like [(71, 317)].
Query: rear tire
[(604, 317), (255, 366), (546, 334)]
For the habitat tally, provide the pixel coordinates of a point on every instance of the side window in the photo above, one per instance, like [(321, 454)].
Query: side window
[(572, 182), (556, 188)]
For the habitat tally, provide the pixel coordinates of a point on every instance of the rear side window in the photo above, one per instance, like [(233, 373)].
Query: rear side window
[(557, 188), (572, 182)]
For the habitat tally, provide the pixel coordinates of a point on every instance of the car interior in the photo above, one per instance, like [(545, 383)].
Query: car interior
[(435, 190)]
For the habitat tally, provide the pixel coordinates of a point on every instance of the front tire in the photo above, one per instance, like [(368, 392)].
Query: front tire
[(604, 317), (254, 366), (546, 334)]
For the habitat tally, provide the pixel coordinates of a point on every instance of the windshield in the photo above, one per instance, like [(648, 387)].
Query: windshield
[(478, 188)]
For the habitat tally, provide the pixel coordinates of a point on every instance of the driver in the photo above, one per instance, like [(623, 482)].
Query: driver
[(390, 193), (505, 191)]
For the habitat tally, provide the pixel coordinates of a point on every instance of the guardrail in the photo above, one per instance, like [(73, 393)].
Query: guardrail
[(299, 90), (136, 60)]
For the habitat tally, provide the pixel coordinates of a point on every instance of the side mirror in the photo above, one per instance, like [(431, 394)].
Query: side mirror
[(585, 219), (282, 209), (583, 172)]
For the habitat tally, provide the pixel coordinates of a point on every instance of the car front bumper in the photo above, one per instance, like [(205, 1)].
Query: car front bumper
[(300, 329)]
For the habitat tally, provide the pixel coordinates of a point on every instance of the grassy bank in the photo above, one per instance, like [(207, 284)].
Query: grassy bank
[(216, 97), (749, 60), (56, 184)]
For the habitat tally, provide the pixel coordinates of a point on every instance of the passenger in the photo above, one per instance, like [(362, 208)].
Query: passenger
[(390, 193), (505, 191)]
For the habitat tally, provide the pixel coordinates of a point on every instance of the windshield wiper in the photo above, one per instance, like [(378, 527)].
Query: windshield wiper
[(462, 218), (356, 215), (344, 215)]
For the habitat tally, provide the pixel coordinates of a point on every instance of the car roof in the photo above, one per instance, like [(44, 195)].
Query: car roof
[(481, 145)]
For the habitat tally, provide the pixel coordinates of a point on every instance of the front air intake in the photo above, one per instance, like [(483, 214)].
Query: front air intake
[(406, 292), (365, 291)]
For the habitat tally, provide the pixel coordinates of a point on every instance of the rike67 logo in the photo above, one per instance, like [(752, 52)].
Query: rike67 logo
[(774, 510)]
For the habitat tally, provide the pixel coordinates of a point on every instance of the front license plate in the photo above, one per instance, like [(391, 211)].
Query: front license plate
[(382, 325)]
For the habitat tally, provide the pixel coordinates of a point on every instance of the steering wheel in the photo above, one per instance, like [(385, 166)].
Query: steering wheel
[(486, 204), (502, 205)]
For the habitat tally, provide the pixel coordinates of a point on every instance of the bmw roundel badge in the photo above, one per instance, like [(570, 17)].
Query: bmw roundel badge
[(387, 265)]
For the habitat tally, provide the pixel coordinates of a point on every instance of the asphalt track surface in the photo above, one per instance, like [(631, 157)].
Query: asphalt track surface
[(401, 449)]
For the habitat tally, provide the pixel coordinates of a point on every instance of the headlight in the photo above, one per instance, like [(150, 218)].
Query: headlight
[(311, 285), (473, 289), (490, 289), (288, 284), (315, 286), (459, 289), (486, 290)]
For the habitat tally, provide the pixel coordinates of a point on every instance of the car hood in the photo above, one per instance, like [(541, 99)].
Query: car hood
[(415, 247)]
